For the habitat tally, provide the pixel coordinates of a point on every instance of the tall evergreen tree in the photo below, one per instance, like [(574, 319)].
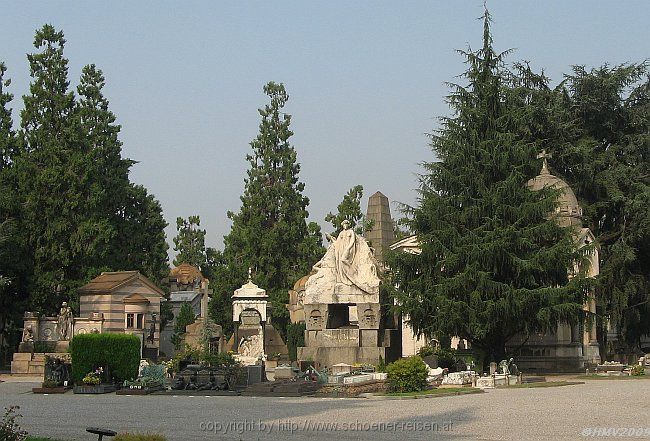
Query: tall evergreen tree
[(125, 221), (190, 242), (79, 212), (49, 176), (141, 235), (269, 233), (493, 263), (107, 171), (605, 151), (14, 262)]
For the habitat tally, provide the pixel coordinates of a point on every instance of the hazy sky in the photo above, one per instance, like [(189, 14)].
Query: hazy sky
[(365, 79)]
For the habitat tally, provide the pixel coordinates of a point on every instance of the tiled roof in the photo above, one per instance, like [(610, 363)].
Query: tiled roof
[(109, 281)]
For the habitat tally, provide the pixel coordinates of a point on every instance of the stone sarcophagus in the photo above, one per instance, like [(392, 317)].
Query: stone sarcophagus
[(341, 305)]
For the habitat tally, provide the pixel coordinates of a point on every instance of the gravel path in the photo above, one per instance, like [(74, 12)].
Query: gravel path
[(566, 412)]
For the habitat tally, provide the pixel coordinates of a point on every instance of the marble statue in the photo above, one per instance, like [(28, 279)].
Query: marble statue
[(64, 322), (251, 346), (348, 265), (28, 334), (508, 367)]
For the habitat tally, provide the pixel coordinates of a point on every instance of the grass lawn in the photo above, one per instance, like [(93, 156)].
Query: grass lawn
[(616, 377), (38, 438), (541, 384), (438, 392)]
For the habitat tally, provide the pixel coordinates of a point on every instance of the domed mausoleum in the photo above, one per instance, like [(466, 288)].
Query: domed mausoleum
[(570, 348)]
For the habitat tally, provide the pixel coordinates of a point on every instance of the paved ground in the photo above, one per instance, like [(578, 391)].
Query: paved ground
[(566, 413)]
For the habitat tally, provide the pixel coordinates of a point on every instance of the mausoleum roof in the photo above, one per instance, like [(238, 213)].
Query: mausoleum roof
[(186, 274), (183, 296), (568, 207), (107, 282), (250, 290)]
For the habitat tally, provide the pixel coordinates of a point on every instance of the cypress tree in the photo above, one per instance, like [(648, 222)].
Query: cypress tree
[(269, 233), (50, 173), (493, 262), (78, 210), (107, 172)]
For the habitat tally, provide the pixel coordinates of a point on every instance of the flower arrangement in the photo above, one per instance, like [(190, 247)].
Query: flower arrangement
[(93, 378), (637, 371)]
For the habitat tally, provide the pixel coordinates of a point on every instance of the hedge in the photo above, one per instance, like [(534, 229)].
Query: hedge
[(118, 353)]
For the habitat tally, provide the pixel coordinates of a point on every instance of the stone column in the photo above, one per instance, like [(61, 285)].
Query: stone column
[(235, 345)]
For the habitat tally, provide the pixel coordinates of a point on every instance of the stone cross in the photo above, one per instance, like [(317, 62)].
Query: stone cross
[(544, 155), (250, 274)]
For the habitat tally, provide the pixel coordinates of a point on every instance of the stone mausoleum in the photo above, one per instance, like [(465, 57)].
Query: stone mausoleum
[(120, 302), (188, 285), (568, 348)]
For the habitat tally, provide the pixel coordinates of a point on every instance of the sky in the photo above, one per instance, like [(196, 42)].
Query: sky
[(366, 81)]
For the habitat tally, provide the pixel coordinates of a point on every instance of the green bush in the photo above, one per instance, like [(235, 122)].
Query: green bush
[(118, 354), (295, 338), (425, 351), (407, 374), (139, 437)]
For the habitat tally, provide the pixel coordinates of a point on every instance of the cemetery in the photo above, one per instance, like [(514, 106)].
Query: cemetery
[(349, 346), (516, 261)]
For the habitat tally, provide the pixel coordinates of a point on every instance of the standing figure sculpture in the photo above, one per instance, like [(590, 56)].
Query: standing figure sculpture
[(345, 250), (64, 322), (348, 262)]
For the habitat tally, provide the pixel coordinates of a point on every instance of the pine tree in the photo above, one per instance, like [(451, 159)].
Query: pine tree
[(190, 242), (269, 233), (350, 209), (493, 263)]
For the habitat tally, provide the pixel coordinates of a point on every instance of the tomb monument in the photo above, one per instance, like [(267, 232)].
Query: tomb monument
[(345, 282)]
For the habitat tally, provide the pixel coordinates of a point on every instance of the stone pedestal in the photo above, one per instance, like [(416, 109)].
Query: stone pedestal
[(329, 356)]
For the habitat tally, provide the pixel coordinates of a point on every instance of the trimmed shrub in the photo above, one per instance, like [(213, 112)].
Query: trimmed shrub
[(407, 375), (118, 354)]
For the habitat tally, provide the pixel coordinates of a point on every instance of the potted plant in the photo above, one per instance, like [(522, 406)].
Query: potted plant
[(92, 383), (272, 360)]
